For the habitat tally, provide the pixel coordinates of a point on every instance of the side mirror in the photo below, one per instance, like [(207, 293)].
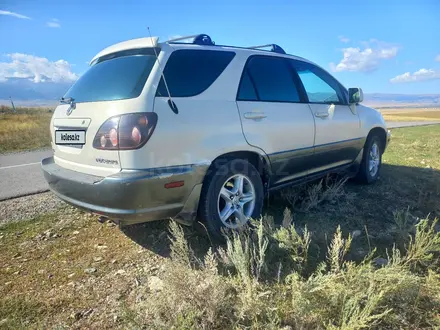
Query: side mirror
[(355, 95)]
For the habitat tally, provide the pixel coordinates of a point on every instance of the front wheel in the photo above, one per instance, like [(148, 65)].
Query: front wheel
[(371, 160), (231, 196)]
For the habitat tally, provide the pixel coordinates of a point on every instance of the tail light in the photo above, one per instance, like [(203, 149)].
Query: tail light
[(126, 132)]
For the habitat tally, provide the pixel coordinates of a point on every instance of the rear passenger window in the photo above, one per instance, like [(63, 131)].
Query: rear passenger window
[(271, 78), (191, 72)]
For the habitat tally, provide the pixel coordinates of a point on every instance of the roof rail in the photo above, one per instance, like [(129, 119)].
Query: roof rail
[(274, 48), (198, 39), (205, 40)]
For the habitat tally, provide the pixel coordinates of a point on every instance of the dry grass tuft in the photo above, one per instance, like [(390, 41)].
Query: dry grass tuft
[(26, 129), (337, 251), (309, 196), (231, 290), (424, 248)]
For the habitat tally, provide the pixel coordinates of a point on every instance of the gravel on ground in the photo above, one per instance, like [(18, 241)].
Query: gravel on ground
[(28, 207)]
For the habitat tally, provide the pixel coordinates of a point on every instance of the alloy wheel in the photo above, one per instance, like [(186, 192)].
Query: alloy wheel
[(236, 201), (374, 160)]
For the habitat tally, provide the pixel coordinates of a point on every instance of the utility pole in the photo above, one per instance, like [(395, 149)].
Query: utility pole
[(13, 106)]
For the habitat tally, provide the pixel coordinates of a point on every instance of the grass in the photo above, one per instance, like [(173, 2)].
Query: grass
[(229, 288), (411, 115), (329, 255), (27, 129)]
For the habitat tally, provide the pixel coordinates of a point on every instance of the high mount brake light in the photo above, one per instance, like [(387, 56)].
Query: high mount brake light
[(126, 132)]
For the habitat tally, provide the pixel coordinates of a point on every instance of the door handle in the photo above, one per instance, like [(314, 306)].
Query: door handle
[(254, 115), (321, 114)]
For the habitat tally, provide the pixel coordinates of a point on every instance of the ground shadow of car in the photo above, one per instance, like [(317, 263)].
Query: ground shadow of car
[(367, 208), (155, 236)]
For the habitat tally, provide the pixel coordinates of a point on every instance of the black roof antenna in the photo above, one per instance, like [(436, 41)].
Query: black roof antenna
[(172, 105)]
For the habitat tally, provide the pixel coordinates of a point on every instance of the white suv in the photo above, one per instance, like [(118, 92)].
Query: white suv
[(184, 130)]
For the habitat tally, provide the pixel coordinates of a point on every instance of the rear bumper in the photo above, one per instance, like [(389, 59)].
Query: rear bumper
[(130, 196)]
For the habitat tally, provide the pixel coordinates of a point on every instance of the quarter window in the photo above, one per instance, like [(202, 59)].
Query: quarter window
[(267, 79), (191, 72), (319, 86), (247, 89)]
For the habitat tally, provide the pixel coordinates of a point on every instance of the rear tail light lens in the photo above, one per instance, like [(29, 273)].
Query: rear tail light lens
[(136, 135), (126, 132), (103, 141), (113, 135)]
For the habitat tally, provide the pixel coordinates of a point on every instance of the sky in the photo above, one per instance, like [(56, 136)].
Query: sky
[(386, 46)]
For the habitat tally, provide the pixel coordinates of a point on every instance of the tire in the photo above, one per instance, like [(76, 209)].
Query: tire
[(220, 190), (369, 172)]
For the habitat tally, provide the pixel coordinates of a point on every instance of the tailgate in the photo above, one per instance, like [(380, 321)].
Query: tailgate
[(72, 139)]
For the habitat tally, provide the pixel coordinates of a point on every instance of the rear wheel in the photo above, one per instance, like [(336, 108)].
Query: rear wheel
[(231, 195), (371, 161)]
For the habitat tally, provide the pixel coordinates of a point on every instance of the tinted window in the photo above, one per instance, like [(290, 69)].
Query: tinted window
[(320, 86), (247, 90), (117, 78), (272, 78), (190, 72)]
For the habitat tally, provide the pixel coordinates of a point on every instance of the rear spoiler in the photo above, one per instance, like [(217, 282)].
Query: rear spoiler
[(126, 45)]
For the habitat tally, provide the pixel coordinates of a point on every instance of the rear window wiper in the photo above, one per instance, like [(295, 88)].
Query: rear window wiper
[(67, 100)]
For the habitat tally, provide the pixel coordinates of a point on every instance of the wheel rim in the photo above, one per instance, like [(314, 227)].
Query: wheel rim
[(236, 201), (374, 160)]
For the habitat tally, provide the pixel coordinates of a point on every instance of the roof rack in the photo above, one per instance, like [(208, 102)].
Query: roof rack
[(198, 39), (204, 39), (274, 48)]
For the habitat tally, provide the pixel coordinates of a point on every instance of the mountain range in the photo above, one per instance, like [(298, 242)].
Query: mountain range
[(402, 100), (25, 91)]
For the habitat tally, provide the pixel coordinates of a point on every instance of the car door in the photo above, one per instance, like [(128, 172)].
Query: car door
[(337, 126), (275, 117)]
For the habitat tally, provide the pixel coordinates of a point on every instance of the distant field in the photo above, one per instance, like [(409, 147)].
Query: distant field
[(27, 129), (411, 114)]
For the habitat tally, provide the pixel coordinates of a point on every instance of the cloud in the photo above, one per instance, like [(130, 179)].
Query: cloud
[(10, 13), (36, 69), (343, 39), (53, 23), (367, 59), (437, 58), (421, 75)]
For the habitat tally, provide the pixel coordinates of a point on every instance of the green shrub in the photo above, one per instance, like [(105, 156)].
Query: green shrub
[(234, 287)]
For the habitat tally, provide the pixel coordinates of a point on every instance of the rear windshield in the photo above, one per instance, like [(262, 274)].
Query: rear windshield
[(114, 77)]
